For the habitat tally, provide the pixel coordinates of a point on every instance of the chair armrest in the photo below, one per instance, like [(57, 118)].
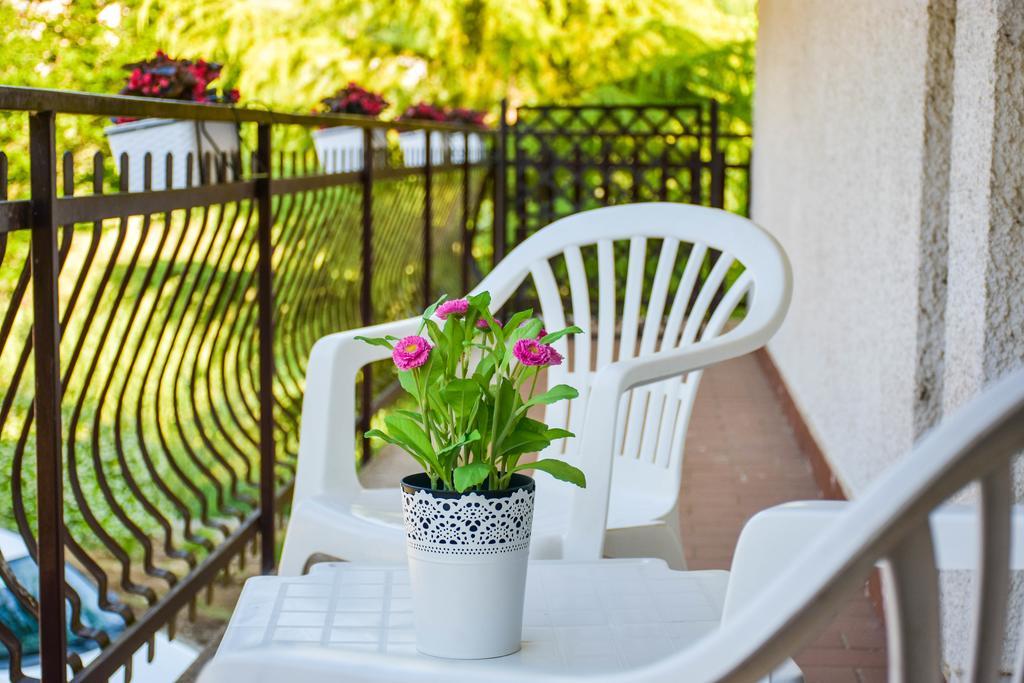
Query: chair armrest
[(327, 439), (773, 537), (588, 517)]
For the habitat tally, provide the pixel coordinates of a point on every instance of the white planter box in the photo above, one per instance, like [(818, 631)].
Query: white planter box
[(158, 137), (458, 142), (414, 147), (340, 149)]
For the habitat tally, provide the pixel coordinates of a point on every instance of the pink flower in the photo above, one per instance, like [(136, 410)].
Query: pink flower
[(482, 324), (531, 352), (543, 333), (411, 352), (456, 307), (555, 358)]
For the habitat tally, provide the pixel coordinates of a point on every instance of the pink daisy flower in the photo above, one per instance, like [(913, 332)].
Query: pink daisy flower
[(456, 307), (481, 324), (555, 356), (531, 352), (411, 352)]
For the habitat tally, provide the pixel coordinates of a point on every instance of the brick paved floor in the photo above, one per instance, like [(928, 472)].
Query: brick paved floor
[(742, 457)]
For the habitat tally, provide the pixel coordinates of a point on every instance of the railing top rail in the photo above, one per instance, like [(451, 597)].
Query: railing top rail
[(15, 98)]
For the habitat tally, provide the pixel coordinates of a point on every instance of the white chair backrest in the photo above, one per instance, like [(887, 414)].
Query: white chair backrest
[(687, 270)]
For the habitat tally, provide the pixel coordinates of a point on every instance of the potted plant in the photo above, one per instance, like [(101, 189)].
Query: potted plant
[(414, 142), (459, 142), (174, 79), (468, 514), (340, 149)]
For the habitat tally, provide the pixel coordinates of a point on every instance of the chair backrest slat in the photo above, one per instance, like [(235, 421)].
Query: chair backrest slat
[(681, 300), (580, 294), (659, 295), (637, 265), (912, 600), (994, 577), (606, 302)]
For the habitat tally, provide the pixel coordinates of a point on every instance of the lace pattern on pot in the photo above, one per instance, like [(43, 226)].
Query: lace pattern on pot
[(470, 525)]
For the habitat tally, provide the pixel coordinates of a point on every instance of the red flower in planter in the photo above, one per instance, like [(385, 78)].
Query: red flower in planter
[(470, 117), (423, 112), (354, 99), (175, 79)]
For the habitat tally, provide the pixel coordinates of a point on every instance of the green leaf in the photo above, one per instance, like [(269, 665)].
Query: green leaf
[(528, 424), (557, 469), (407, 379), (507, 398), (556, 393), (520, 445), (462, 395), (484, 370), (471, 474), (436, 335), (555, 336), (429, 312), (513, 323), (375, 341), (557, 433), (455, 333), (467, 439), (413, 437), (378, 434), (528, 330), (481, 302)]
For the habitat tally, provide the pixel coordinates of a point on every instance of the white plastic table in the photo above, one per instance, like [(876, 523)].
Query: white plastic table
[(578, 616)]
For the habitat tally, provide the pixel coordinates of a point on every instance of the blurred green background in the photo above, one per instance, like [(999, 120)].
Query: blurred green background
[(288, 54)]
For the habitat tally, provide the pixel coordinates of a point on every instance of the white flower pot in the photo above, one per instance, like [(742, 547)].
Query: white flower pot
[(158, 137), (458, 145), (468, 556), (340, 149), (414, 147)]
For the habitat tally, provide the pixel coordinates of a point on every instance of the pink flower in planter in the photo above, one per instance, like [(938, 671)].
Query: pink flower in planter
[(456, 307), (411, 352), (531, 352)]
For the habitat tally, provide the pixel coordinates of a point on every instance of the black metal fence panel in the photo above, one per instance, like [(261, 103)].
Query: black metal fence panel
[(567, 159)]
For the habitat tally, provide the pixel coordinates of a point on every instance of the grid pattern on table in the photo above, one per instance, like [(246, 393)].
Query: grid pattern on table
[(578, 616)]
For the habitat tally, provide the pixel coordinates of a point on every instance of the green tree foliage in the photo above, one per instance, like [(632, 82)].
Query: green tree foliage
[(288, 55), (472, 52)]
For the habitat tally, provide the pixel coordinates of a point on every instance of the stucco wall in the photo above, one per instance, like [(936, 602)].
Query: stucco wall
[(889, 136), (838, 128), (985, 312)]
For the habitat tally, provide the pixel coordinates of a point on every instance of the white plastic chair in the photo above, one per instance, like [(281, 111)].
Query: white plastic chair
[(637, 378), (778, 601)]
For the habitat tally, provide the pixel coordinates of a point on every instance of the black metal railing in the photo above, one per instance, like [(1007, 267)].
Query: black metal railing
[(568, 158), (153, 342)]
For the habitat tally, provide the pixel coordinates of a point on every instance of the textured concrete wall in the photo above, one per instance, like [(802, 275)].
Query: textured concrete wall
[(840, 123), (985, 308), (889, 139)]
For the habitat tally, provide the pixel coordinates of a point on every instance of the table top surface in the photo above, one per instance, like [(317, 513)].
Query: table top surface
[(578, 616)]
